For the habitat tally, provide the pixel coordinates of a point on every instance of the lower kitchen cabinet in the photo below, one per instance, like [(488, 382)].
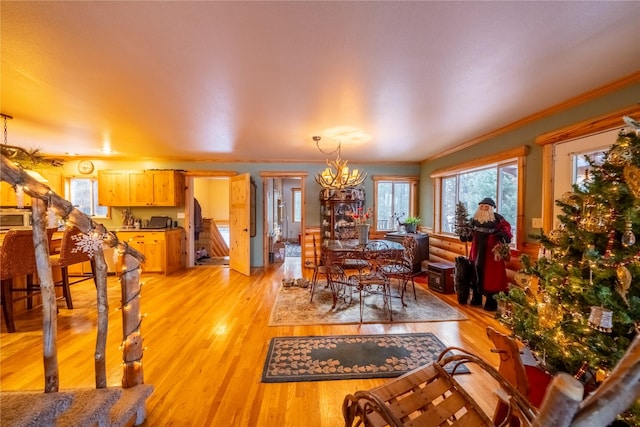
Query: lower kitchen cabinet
[(163, 250)]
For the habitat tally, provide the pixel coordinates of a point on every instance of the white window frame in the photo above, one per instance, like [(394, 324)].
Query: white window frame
[(94, 196), (413, 182)]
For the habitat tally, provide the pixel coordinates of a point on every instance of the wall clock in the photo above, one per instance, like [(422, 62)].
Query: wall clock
[(85, 166)]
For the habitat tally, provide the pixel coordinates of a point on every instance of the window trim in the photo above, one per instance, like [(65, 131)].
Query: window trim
[(517, 154), (548, 140), (414, 182), (67, 192)]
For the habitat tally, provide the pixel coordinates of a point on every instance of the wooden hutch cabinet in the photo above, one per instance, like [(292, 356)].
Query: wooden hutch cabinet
[(336, 209)]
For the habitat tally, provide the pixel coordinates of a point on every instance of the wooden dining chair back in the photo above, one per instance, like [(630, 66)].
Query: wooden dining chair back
[(70, 254), (17, 260), (321, 267)]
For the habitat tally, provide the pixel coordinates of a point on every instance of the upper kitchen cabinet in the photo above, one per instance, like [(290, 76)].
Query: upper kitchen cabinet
[(113, 188), (141, 188), (53, 178)]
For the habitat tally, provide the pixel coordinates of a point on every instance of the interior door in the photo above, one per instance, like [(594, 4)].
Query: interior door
[(239, 222)]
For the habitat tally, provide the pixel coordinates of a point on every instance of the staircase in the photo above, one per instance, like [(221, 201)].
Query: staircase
[(116, 407)]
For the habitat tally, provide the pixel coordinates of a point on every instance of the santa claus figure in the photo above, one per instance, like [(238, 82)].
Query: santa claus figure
[(489, 229)]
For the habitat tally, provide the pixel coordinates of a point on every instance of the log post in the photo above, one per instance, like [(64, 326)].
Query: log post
[(131, 321), (560, 402), (47, 290), (103, 318)]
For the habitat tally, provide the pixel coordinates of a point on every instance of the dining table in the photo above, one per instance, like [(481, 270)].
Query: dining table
[(344, 256)]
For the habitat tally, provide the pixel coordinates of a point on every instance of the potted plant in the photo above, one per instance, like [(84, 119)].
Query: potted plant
[(411, 224)]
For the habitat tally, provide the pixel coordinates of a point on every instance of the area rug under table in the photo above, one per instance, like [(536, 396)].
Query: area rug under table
[(293, 307), (313, 358)]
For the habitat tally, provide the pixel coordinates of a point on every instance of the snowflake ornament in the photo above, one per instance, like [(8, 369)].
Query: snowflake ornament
[(87, 243)]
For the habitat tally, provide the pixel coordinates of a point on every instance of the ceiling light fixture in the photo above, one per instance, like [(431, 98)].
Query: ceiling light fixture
[(337, 174)]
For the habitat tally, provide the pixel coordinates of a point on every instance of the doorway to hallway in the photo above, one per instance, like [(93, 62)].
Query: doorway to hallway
[(284, 214)]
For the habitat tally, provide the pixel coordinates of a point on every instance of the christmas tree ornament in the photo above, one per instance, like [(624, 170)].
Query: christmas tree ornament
[(582, 371), (632, 175), (620, 155), (610, 242), (624, 282), (572, 199), (632, 122), (595, 216), (628, 238), (601, 375), (601, 319), (557, 236)]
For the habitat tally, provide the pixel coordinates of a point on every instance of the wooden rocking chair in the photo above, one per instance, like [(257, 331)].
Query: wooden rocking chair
[(430, 396)]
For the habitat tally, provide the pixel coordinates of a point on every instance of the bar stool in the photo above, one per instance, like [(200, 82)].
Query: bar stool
[(70, 255), (17, 259)]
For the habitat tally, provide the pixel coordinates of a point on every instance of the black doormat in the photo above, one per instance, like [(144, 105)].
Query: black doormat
[(313, 358)]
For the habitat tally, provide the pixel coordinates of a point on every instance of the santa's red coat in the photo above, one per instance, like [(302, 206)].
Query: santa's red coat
[(492, 274)]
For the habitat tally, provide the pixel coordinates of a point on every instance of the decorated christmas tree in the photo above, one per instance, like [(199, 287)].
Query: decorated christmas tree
[(577, 307)]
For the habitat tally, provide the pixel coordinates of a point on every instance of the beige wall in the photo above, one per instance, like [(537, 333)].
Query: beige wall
[(213, 196)]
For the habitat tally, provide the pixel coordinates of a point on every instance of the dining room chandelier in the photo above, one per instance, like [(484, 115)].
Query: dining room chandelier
[(337, 174)]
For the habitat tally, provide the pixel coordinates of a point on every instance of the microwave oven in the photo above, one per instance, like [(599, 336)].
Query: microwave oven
[(15, 218)]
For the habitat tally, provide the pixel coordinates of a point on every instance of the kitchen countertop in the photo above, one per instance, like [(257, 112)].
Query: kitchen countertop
[(117, 230)]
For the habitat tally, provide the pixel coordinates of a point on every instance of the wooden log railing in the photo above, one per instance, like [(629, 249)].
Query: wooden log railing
[(44, 198)]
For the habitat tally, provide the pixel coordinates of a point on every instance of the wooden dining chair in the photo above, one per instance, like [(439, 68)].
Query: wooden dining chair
[(321, 268), (17, 259), (69, 255)]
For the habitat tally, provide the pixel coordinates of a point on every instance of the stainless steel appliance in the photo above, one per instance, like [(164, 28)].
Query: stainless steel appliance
[(160, 222), (12, 218)]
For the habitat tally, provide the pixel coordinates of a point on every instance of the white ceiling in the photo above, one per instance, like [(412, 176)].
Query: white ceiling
[(242, 81)]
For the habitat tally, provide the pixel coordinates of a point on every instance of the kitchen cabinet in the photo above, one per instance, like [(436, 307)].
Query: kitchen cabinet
[(141, 188), (163, 250), (113, 188), (336, 210), (8, 196)]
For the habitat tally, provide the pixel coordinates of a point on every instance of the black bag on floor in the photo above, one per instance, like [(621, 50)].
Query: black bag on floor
[(463, 279)]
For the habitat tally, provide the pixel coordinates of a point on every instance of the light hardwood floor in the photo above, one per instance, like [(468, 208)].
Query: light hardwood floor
[(206, 338)]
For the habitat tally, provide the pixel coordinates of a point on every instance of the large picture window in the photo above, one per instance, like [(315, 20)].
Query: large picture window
[(498, 177)]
